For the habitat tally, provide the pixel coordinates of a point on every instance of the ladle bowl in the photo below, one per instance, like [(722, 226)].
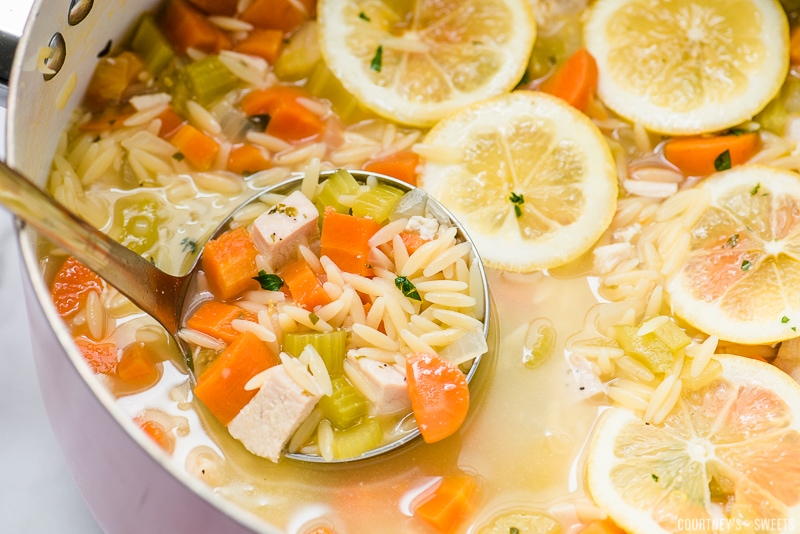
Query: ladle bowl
[(166, 297)]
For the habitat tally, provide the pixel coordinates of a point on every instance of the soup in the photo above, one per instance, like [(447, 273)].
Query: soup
[(642, 312)]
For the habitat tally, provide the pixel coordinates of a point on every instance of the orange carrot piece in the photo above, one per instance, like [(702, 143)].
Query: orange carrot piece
[(171, 122), (216, 7), (198, 148), (283, 15), (187, 27), (575, 81), (695, 156), (265, 44), (304, 286), (345, 240), (401, 165), (101, 356), (794, 46), (159, 434), (248, 159), (602, 527), (449, 504), (439, 395), (138, 367), (221, 385), (412, 241), (289, 119), (230, 264), (215, 318), (321, 530), (71, 285), (111, 78), (109, 118)]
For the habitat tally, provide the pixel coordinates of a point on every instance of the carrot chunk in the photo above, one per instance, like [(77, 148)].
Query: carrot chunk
[(439, 395), (794, 46), (109, 118), (449, 504), (701, 156), (198, 148), (265, 44), (575, 81), (412, 241), (602, 527), (248, 159), (230, 264), (221, 386), (401, 165), (345, 240), (215, 318), (72, 283), (155, 431), (137, 366), (288, 118), (111, 78), (304, 286), (216, 7), (283, 15), (171, 122), (101, 356), (187, 27)]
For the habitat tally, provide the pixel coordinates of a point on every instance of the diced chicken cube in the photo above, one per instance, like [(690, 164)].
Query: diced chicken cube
[(281, 229), (269, 420), (607, 257), (426, 227), (388, 384)]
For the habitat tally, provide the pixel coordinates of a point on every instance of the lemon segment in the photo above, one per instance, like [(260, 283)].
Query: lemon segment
[(535, 185), (684, 67), (726, 459), (741, 277), (415, 61)]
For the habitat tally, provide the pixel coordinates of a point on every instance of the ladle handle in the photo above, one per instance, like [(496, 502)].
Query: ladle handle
[(154, 291)]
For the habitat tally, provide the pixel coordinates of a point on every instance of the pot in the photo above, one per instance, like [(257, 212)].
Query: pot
[(124, 478)]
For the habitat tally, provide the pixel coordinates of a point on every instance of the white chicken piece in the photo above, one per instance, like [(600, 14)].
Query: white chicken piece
[(269, 420), (281, 229), (387, 383)]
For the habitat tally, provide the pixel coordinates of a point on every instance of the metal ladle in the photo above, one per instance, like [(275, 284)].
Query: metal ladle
[(161, 295)]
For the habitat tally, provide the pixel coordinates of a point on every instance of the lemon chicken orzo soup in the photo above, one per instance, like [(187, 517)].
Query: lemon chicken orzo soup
[(628, 172)]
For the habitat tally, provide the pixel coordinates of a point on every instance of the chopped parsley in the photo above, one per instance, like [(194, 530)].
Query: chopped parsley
[(269, 282), (189, 245), (313, 317), (363, 16), (289, 211), (517, 200), (754, 191), (377, 60), (746, 264), (655, 477), (732, 241), (408, 289), (513, 530), (794, 329), (259, 122), (738, 131), (178, 156), (723, 161)]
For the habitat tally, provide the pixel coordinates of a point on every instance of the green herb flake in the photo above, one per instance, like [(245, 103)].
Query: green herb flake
[(784, 319), (189, 245), (655, 477), (363, 16), (754, 191), (794, 329), (269, 282), (723, 161), (408, 289), (178, 156), (732, 241), (746, 264), (377, 60), (513, 530), (313, 317), (517, 200)]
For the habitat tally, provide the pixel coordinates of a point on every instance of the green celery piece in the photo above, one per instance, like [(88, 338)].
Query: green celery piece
[(339, 183), (207, 80), (357, 440), (323, 84), (151, 45), (346, 406), (672, 336), (300, 54), (330, 345), (377, 203), (648, 348)]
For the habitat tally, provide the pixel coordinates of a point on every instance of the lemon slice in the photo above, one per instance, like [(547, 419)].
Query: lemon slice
[(534, 183), (741, 277), (417, 61), (688, 66), (726, 459)]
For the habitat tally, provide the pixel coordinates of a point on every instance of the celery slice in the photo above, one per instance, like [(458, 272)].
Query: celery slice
[(672, 335), (151, 45), (648, 348), (346, 406), (323, 84), (330, 345), (300, 55), (377, 203), (204, 81), (357, 440), (340, 183)]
